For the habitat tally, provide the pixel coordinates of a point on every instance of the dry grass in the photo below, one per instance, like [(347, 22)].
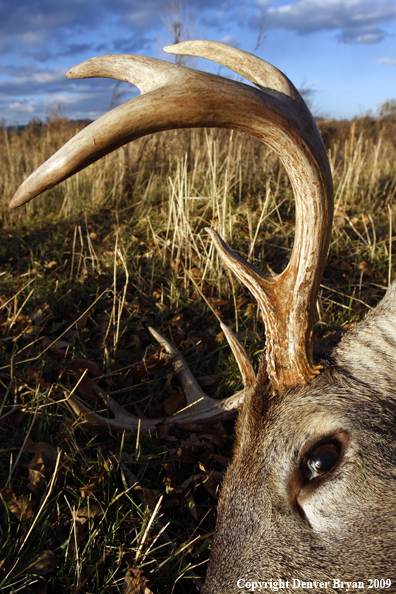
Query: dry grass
[(78, 288)]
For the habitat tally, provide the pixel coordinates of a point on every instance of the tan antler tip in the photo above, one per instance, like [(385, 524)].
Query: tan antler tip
[(241, 356), (258, 71)]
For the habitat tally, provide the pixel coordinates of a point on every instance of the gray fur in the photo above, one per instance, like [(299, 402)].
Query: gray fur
[(349, 530)]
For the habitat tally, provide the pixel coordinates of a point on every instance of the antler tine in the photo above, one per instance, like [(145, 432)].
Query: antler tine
[(200, 407), (258, 71), (177, 97), (110, 131), (195, 396), (191, 387), (244, 364)]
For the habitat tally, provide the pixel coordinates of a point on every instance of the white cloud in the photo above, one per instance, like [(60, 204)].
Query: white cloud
[(231, 40), (33, 82), (357, 21), (387, 60), (353, 37), (48, 77), (33, 38), (22, 107)]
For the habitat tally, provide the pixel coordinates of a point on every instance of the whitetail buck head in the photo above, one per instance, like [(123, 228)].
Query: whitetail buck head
[(310, 495)]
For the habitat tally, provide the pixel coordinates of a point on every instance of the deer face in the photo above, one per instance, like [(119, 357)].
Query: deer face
[(311, 490)]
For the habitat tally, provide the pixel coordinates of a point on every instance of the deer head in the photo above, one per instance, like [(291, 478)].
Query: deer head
[(314, 462)]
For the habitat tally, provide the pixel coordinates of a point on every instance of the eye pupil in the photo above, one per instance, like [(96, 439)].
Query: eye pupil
[(321, 460)]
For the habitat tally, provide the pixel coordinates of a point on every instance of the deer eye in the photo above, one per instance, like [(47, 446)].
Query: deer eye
[(321, 460)]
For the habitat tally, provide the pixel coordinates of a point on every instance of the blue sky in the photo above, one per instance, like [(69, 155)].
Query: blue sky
[(344, 50)]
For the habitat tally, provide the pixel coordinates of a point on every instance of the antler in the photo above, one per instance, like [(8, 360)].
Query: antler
[(175, 97), (200, 407)]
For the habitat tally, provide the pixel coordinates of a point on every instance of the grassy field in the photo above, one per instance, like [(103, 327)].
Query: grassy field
[(85, 269)]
